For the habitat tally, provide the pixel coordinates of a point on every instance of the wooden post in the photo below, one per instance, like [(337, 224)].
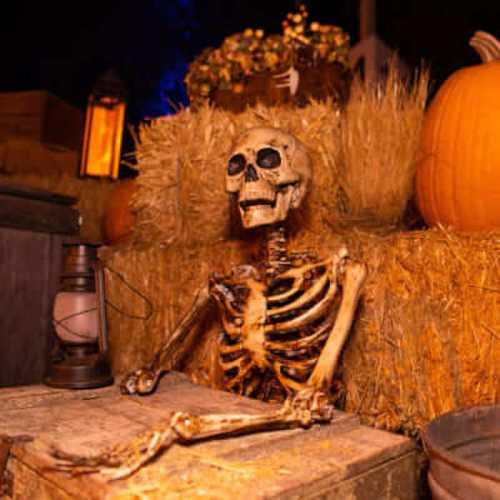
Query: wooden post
[(370, 49), (367, 18)]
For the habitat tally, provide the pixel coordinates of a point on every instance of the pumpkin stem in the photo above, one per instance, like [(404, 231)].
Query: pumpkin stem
[(486, 45)]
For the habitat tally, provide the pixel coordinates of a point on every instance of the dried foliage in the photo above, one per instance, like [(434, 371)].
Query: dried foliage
[(241, 56), (92, 195), (426, 339), (379, 136)]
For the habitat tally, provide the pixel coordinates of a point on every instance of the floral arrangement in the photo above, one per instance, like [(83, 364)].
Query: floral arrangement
[(243, 55)]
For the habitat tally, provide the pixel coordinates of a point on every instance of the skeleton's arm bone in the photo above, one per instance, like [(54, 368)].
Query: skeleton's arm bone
[(144, 380), (123, 460), (354, 277)]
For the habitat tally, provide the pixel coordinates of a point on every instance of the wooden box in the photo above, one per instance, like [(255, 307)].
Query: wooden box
[(33, 225), (42, 116), (25, 156), (340, 460)]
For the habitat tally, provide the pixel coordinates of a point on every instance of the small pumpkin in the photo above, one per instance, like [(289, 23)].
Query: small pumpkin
[(458, 176), (118, 220)]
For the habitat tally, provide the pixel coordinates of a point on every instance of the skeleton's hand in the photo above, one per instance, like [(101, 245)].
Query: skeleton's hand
[(122, 460), (142, 381), (311, 406)]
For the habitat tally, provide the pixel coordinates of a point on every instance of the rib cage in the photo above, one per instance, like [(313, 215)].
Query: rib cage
[(273, 333)]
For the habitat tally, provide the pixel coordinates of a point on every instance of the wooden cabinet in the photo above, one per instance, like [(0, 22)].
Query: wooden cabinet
[(33, 226)]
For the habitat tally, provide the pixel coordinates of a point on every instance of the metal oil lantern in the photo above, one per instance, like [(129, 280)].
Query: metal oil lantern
[(79, 320)]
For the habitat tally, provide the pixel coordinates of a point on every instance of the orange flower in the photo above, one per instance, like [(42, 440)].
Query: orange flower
[(238, 88)]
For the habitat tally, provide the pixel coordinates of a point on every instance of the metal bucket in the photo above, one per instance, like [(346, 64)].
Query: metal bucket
[(464, 452)]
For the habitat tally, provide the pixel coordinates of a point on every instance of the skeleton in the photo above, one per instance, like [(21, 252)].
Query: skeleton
[(284, 325)]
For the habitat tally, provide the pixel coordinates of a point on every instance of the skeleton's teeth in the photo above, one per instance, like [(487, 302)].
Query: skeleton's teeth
[(260, 202)]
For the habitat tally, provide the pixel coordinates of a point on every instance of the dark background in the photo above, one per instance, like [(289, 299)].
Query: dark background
[(64, 46)]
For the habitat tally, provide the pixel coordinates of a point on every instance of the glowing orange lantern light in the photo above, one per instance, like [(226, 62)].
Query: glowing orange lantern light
[(103, 128)]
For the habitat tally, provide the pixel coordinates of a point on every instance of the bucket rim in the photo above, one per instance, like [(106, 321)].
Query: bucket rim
[(443, 454)]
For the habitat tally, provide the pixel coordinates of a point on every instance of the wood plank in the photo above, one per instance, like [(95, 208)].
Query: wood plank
[(23, 295), (41, 116), (33, 396), (63, 124), (341, 460), (36, 215), (28, 483), (36, 194), (21, 156), (31, 102)]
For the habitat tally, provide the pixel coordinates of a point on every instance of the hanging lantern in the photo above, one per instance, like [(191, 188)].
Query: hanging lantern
[(103, 128), (79, 319)]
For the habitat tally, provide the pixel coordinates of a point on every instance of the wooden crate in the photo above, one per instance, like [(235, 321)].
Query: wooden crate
[(20, 155), (341, 460), (33, 225), (41, 116)]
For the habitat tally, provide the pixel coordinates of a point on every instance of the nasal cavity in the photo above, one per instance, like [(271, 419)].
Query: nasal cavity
[(251, 174)]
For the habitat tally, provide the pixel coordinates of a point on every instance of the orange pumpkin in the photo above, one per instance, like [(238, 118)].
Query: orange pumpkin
[(458, 176), (118, 221)]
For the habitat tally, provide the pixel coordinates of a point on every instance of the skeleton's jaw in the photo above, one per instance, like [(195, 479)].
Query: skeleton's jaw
[(263, 212)]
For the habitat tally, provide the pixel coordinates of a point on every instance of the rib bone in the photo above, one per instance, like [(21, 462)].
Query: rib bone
[(304, 299), (307, 317)]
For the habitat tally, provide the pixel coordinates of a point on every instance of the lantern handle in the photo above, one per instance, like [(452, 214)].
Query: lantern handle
[(101, 306)]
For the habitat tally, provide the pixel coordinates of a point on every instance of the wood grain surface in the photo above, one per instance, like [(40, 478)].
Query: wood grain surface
[(341, 460), (30, 264)]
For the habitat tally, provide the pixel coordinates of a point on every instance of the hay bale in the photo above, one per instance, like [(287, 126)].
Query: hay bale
[(426, 339), (182, 163), (364, 162), (164, 281)]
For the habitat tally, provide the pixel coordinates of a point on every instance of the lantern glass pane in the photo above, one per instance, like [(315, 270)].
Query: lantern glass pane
[(75, 317), (103, 138)]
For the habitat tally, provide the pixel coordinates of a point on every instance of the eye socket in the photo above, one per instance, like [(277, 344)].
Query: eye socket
[(268, 158), (236, 164)]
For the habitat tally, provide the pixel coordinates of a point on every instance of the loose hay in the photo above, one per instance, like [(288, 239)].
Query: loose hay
[(379, 136), (427, 336)]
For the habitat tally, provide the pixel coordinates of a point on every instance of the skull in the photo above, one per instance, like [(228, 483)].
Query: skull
[(270, 171)]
